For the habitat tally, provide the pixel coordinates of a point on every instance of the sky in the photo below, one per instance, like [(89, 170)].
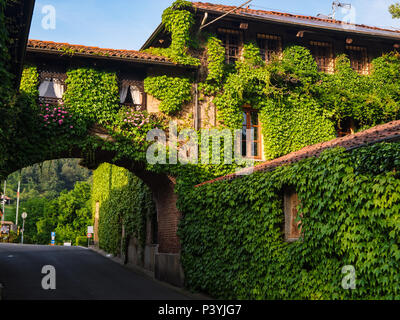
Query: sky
[(127, 24)]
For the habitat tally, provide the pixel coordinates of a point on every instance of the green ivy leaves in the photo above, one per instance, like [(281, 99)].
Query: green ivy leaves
[(173, 92), (123, 200), (178, 22), (232, 231), (92, 94)]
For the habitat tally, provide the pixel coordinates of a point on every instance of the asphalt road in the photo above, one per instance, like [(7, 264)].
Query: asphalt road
[(81, 274)]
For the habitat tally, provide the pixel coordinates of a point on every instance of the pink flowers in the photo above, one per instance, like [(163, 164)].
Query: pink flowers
[(136, 118), (57, 116)]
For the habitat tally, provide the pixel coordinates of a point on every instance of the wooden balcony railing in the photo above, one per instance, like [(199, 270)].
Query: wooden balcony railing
[(137, 107), (50, 101)]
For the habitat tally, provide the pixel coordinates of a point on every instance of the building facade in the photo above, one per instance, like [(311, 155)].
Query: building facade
[(271, 31)]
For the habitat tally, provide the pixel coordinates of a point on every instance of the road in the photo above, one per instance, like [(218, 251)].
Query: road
[(81, 274)]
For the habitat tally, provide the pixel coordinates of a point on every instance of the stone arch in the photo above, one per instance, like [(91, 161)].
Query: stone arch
[(167, 265)]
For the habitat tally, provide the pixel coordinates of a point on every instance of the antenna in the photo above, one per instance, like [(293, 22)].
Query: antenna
[(336, 5), (224, 15)]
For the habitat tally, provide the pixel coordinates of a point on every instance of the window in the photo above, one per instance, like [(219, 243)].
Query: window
[(346, 127), (323, 54), (269, 46), (131, 95), (231, 42), (51, 89), (251, 145), (358, 58), (292, 228)]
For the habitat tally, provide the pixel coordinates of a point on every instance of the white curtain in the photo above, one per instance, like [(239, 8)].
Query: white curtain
[(136, 95), (58, 88), (123, 93), (44, 86)]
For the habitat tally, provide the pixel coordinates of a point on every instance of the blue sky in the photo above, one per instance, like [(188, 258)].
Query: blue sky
[(126, 24)]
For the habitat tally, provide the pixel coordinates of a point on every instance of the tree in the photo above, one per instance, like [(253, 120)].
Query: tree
[(48, 179), (68, 216), (74, 212), (394, 9)]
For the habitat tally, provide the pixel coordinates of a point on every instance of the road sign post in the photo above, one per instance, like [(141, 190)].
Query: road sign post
[(24, 216), (89, 233)]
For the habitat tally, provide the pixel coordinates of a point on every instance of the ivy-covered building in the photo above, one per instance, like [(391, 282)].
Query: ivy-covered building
[(303, 84)]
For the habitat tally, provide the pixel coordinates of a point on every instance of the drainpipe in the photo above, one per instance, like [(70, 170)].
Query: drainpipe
[(196, 108)]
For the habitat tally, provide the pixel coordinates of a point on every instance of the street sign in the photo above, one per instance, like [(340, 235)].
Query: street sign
[(24, 215), (90, 229), (89, 235)]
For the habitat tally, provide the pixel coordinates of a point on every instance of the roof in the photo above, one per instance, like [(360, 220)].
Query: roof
[(309, 21), (8, 223), (386, 132), (81, 50)]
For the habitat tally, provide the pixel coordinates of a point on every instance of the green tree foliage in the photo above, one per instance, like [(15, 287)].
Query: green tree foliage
[(232, 232), (394, 9), (74, 212), (47, 180), (68, 216)]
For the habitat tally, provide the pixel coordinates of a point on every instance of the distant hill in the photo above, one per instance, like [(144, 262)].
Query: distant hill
[(47, 180)]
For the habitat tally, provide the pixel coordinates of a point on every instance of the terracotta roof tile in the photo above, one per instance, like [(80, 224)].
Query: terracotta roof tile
[(96, 51), (386, 132), (264, 13)]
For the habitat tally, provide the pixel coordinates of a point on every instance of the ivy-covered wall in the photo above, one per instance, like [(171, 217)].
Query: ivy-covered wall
[(298, 106), (124, 201), (232, 232)]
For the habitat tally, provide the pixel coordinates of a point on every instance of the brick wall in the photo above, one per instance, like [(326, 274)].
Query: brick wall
[(168, 215), (168, 218)]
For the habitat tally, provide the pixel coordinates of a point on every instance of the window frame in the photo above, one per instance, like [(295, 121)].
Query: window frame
[(248, 111), (267, 54), (225, 35), (328, 62), (365, 70), (290, 204)]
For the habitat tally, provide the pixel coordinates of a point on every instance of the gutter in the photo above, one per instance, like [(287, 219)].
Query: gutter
[(304, 24)]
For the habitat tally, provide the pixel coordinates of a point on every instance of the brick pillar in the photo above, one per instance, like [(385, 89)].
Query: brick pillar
[(168, 218), (167, 264), (96, 223)]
